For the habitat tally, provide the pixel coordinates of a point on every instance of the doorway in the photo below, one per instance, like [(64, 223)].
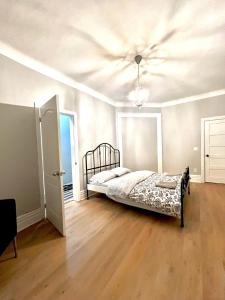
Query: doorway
[(68, 155), (213, 149)]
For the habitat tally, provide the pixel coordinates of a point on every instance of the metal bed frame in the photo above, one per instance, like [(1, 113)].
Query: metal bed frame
[(103, 157), (106, 157)]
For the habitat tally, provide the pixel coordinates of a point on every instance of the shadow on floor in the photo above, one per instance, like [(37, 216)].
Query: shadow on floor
[(155, 217), (39, 233)]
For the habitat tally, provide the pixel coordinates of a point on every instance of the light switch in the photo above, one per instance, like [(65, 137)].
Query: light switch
[(195, 148)]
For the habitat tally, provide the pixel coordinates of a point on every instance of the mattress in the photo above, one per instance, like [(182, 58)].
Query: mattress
[(139, 189)]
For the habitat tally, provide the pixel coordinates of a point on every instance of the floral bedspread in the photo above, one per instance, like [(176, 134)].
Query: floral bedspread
[(163, 200)]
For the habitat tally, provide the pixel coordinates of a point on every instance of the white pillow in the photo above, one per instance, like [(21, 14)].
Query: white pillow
[(120, 171), (102, 177)]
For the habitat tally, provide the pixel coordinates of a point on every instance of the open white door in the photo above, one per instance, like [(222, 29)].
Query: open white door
[(49, 114)]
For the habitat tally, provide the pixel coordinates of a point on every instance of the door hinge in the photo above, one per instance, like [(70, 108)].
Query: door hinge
[(39, 119), (45, 205)]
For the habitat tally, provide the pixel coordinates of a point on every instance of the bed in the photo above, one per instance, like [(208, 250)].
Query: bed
[(145, 189)]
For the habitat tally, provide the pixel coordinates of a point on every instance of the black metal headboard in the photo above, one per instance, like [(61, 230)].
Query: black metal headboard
[(103, 157)]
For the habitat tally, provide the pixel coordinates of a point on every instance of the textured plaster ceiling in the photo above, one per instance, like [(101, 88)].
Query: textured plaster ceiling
[(94, 42)]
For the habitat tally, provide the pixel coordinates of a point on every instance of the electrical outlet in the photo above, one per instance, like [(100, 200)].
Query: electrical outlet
[(195, 170)]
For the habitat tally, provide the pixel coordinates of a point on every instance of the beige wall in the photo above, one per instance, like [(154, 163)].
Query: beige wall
[(18, 157), (181, 132), (181, 126), (139, 138), (96, 124), (22, 86)]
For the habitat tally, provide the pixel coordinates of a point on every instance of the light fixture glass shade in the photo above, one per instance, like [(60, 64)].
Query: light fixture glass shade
[(139, 95)]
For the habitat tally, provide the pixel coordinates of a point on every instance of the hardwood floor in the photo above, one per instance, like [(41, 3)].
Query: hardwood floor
[(117, 252)]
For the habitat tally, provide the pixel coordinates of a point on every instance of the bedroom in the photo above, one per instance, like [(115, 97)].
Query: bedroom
[(93, 57)]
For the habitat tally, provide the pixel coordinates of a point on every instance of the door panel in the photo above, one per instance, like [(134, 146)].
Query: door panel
[(217, 140), (217, 128), (49, 113), (217, 162), (215, 151), (214, 172)]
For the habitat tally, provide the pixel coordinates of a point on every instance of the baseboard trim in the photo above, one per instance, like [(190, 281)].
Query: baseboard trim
[(196, 178), (29, 219), (83, 194)]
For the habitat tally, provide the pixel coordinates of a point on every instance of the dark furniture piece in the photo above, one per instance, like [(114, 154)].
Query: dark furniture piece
[(106, 157), (103, 157), (8, 225), (185, 186)]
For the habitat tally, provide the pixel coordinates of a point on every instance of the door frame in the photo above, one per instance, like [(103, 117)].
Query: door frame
[(203, 120), (40, 159), (121, 115), (75, 153)]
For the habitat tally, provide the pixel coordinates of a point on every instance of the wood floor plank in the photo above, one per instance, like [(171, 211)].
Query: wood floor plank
[(113, 251)]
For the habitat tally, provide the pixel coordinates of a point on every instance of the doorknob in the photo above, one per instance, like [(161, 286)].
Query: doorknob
[(207, 155), (58, 173)]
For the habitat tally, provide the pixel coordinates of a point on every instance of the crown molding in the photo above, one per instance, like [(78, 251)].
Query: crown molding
[(27, 61), (33, 64), (129, 104), (193, 98), (176, 101)]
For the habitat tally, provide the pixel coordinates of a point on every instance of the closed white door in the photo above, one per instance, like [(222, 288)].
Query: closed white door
[(53, 172), (215, 151)]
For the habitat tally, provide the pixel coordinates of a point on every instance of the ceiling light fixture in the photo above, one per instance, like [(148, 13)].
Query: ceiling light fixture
[(139, 94)]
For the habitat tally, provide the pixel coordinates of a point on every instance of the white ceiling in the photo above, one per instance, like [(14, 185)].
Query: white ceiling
[(95, 41)]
